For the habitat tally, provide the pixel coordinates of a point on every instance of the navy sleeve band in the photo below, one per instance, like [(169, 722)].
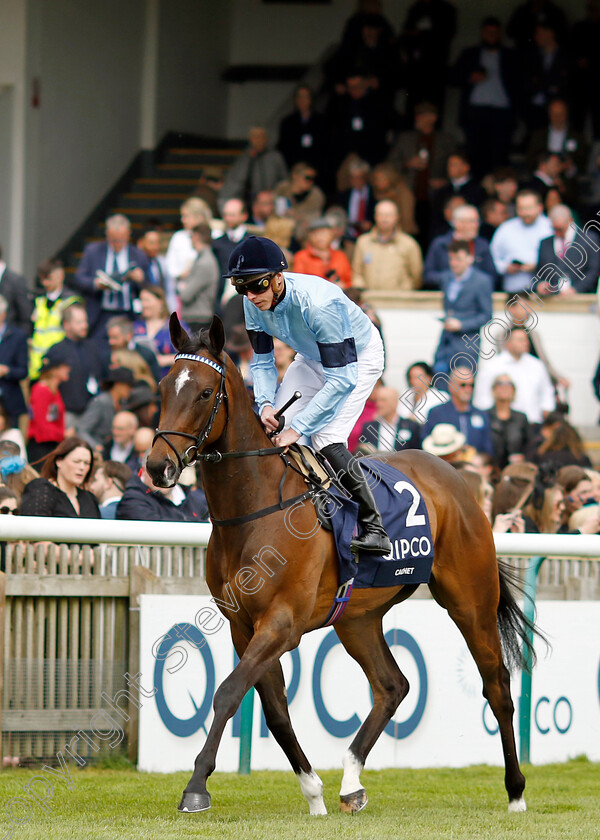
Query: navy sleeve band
[(338, 354), (261, 342)]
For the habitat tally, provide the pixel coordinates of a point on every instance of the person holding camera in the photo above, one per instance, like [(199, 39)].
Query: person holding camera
[(320, 259)]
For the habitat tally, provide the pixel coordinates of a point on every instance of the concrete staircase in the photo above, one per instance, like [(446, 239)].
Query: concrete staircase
[(157, 193)]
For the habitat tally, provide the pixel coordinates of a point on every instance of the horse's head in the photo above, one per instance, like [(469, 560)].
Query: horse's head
[(192, 396)]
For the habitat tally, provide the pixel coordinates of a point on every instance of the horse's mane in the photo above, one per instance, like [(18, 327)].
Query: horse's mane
[(198, 341)]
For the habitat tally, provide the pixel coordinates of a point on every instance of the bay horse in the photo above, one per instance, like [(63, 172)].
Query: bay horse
[(207, 415)]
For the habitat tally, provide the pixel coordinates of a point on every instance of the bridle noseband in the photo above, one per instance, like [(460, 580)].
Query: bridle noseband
[(191, 454)]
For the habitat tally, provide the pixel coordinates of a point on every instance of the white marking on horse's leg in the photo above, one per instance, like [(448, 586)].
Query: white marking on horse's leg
[(312, 788), (352, 770), (183, 377), (517, 806)]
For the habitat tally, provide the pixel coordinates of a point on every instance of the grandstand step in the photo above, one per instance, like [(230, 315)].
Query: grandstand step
[(148, 210), (201, 155), (135, 200), (165, 185)]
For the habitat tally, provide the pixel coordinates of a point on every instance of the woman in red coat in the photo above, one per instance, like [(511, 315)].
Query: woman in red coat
[(47, 409)]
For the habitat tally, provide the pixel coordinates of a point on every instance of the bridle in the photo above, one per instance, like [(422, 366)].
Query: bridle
[(191, 454)]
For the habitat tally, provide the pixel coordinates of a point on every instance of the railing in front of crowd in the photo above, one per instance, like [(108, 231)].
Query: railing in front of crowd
[(70, 604)]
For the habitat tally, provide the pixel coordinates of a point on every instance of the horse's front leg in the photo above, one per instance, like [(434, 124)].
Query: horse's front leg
[(270, 642)]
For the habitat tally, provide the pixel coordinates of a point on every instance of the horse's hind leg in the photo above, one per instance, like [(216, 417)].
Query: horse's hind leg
[(363, 639), (472, 604)]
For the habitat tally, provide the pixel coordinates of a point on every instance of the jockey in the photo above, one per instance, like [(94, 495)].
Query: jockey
[(339, 358)]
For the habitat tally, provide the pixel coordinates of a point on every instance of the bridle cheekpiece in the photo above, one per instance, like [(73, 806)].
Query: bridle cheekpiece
[(191, 454)]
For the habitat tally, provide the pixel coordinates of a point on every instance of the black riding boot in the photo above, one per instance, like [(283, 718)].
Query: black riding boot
[(373, 537)]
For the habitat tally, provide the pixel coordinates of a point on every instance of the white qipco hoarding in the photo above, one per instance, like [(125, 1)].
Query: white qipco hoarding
[(186, 652)]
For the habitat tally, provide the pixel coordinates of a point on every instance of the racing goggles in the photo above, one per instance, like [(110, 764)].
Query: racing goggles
[(261, 284)]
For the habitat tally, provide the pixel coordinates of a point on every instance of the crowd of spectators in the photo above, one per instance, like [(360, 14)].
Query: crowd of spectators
[(369, 199)]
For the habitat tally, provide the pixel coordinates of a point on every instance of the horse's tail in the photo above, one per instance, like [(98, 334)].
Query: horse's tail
[(516, 630)]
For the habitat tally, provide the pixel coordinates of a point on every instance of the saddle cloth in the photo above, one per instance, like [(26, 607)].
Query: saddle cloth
[(405, 518)]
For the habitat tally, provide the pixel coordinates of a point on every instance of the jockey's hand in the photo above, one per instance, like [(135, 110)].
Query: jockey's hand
[(268, 419), (286, 438)]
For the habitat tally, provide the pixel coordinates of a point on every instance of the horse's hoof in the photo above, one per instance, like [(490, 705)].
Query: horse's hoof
[(517, 806), (193, 803), (352, 803)]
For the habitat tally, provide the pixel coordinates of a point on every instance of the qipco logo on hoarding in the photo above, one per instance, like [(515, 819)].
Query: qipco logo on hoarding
[(183, 727)]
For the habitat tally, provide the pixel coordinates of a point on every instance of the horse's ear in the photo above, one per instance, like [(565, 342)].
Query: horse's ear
[(178, 335), (216, 335)]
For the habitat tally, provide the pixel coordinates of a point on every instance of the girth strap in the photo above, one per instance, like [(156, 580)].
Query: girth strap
[(239, 520)]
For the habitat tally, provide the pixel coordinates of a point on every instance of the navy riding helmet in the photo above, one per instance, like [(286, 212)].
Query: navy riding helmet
[(254, 256)]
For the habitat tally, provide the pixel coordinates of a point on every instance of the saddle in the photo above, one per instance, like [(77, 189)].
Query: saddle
[(318, 475)]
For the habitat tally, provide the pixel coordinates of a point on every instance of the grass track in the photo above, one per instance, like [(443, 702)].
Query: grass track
[(563, 801)]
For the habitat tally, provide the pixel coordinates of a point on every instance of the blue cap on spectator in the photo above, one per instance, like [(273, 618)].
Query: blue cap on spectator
[(55, 356)]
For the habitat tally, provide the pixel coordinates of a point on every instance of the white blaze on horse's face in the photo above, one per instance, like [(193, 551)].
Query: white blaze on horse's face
[(182, 378)]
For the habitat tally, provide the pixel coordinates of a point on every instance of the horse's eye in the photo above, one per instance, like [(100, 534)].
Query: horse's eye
[(206, 393)]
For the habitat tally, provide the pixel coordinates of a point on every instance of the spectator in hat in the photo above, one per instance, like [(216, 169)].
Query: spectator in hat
[(108, 486), (13, 365), (144, 403), (46, 407), (320, 259), (59, 491), (445, 441), (94, 426)]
